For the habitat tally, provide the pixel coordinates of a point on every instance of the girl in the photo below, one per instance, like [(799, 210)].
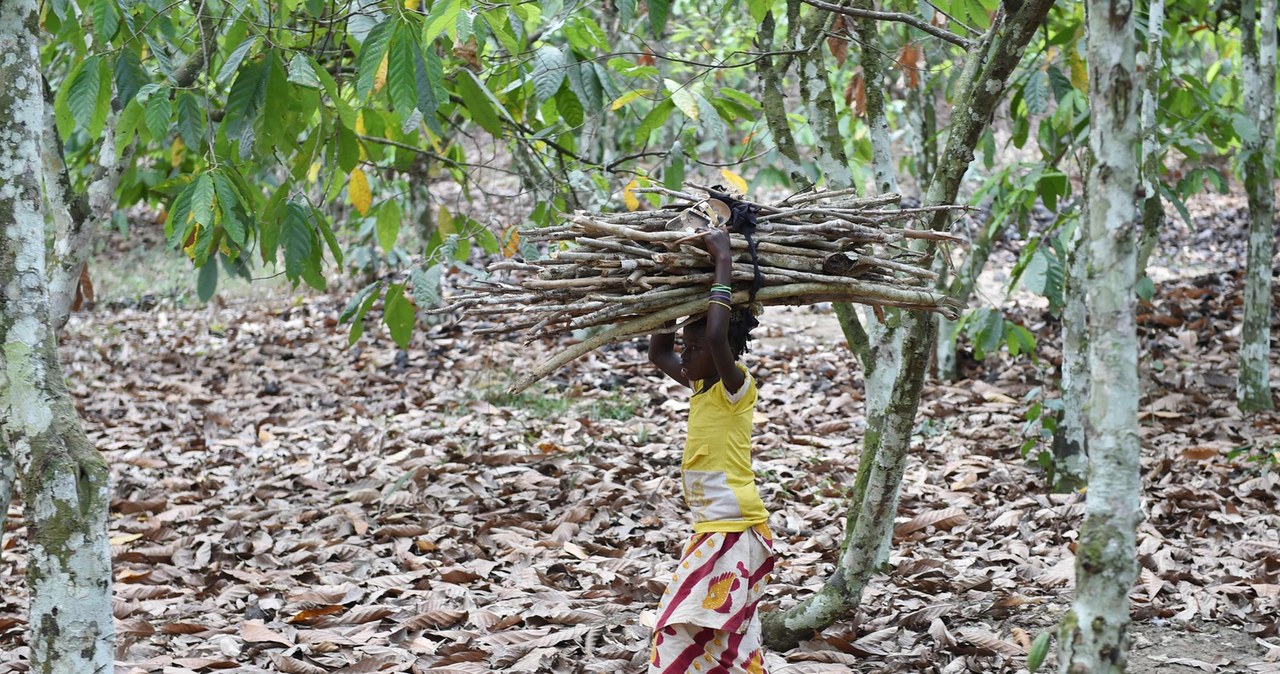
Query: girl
[(707, 619)]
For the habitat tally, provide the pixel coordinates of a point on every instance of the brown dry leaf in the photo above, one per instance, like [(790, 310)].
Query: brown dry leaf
[(941, 520), (989, 642), (255, 631), (1200, 453), (313, 614), (909, 59), (294, 666)]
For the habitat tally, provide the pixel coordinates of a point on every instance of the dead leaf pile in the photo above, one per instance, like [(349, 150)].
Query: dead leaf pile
[(285, 504)]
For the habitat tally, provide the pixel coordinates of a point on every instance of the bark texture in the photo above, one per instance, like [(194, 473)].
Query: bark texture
[(1253, 389), (1093, 637), (1152, 207), (64, 479), (1070, 453), (981, 87)]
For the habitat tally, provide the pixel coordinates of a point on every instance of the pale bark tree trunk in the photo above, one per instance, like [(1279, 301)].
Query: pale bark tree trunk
[(981, 87), (64, 479), (1070, 453), (1093, 637), (1152, 206), (1253, 388)]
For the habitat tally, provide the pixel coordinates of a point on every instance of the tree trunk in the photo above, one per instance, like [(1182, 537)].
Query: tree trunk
[(1093, 637), (64, 479), (8, 476), (961, 286), (1070, 453), (1152, 206), (888, 437), (1253, 389)]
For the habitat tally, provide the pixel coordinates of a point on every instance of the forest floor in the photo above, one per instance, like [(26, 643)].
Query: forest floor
[(285, 503)]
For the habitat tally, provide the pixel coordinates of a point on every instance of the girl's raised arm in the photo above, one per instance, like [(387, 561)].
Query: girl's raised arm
[(662, 352), (719, 312)]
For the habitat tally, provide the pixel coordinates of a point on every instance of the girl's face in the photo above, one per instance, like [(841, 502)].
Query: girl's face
[(695, 357)]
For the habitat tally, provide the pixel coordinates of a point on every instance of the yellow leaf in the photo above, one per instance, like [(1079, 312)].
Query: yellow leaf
[(177, 152), (361, 131), (190, 247), (313, 172), (358, 192), (628, 97), (735, 181), (412, 5), (629, 197), (512, 245), (380, 77), (123, 538)]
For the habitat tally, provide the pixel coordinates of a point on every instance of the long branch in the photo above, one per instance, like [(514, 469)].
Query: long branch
[(910, 20)]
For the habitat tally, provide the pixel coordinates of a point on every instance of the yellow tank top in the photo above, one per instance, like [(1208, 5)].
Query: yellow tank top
[(719, 485)]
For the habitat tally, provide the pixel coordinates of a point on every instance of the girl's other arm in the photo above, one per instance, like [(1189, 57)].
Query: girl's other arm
[(717, 243), (662, 353)]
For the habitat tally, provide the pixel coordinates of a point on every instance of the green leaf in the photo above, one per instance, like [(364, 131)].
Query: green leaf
[(548, 72), (585, 86), (322, 223), (653, 121), (658, 11), (297, 237), (1178, 204), (744, 99), (758, 8), (673, 175), (627, 11), (232, 64), (207, 282), (302, 73), (158, 114), (106, 19), (480, 102), (82, 96), (202, 196), (348, 149), (426, 286), (1036, 93), (443, 15), (374, 48), (628, 69), (130, 76), (399, 315), (429, 74), (244, 102), (357, 308), (683, 98), (584, 34), (570, 107), (402, 75), (1039, 650), (190, 120), (358, 299), (1052, 185), (228, 205), (388, 224), (1146, 288)]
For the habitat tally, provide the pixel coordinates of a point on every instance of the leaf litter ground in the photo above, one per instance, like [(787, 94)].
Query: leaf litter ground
[(285, 504)]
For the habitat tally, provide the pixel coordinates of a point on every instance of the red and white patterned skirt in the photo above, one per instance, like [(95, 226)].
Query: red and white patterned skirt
[(707, 619)]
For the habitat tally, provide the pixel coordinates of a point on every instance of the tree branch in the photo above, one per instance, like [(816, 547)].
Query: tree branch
[(913, 21)]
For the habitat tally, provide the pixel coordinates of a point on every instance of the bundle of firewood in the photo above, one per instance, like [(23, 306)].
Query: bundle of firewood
[(635, 272)]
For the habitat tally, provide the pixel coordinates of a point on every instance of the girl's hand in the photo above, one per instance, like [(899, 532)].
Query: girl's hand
[(717, 243)]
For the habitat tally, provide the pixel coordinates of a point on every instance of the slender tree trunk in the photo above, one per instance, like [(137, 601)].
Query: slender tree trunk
[(981, 88), (1152, 206), (1070, 453), (1093, 637), (1254, 386), (64, 478), (961, 286), (8, 476)]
